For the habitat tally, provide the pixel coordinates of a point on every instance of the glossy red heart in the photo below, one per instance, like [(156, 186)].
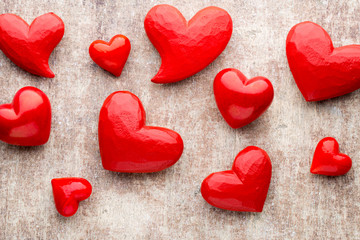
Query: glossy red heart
[(27, 120), (328, 160), (239, 99), (30, 47), (68, 192), (185, 47), (111, 56), (127, 144), (320, 70), (244, 187)]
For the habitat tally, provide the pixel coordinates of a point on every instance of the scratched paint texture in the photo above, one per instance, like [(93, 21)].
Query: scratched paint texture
[(168, 204)]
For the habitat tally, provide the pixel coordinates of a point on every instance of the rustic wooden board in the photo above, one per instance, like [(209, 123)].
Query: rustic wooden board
[(168, 205)]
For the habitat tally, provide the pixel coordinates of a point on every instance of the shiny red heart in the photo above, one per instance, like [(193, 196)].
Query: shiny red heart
[(239, 99), (27, 120), (111, 56), (30, 47), (320, 70), (244, 187), (127, 145), (328, 160), (185, 47), (68, 192)]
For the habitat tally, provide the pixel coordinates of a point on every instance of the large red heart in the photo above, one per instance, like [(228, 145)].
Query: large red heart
[(185, 47), (27, 120), (68, 192), (239, 99), (320, 70), (111, 56), (244, 187), (30, 47), (328, 160), (127, 145)]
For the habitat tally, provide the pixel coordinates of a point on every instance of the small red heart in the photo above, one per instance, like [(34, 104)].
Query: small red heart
[(320, 70), (185, 47), (328, 160), (111, 56), (30, 47), (239, 99), (68, 192), (244, 187), (127, 145), (27, 120)]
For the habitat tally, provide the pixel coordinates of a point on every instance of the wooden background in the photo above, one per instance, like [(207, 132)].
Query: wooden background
[(168, 204)]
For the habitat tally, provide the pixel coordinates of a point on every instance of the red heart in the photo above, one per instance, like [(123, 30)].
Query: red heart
[(27, 120), (111, 56), (30, 47), (127, 145), (320, 70), (240, 100), (185, 47), (327, 159), (244, 188), (68, 192)]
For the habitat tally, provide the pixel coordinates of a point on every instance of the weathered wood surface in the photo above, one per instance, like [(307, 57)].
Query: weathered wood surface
[(168, 205)]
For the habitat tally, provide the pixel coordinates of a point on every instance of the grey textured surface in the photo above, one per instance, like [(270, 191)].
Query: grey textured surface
[(168, 205)]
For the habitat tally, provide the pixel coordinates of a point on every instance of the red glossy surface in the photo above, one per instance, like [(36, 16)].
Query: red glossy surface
[(185, 47), (27, 120), (111, 56), (68, 192), (320, 70), (239, 99), (127, 144), (328, 160), (244, 187), (30, 47)]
